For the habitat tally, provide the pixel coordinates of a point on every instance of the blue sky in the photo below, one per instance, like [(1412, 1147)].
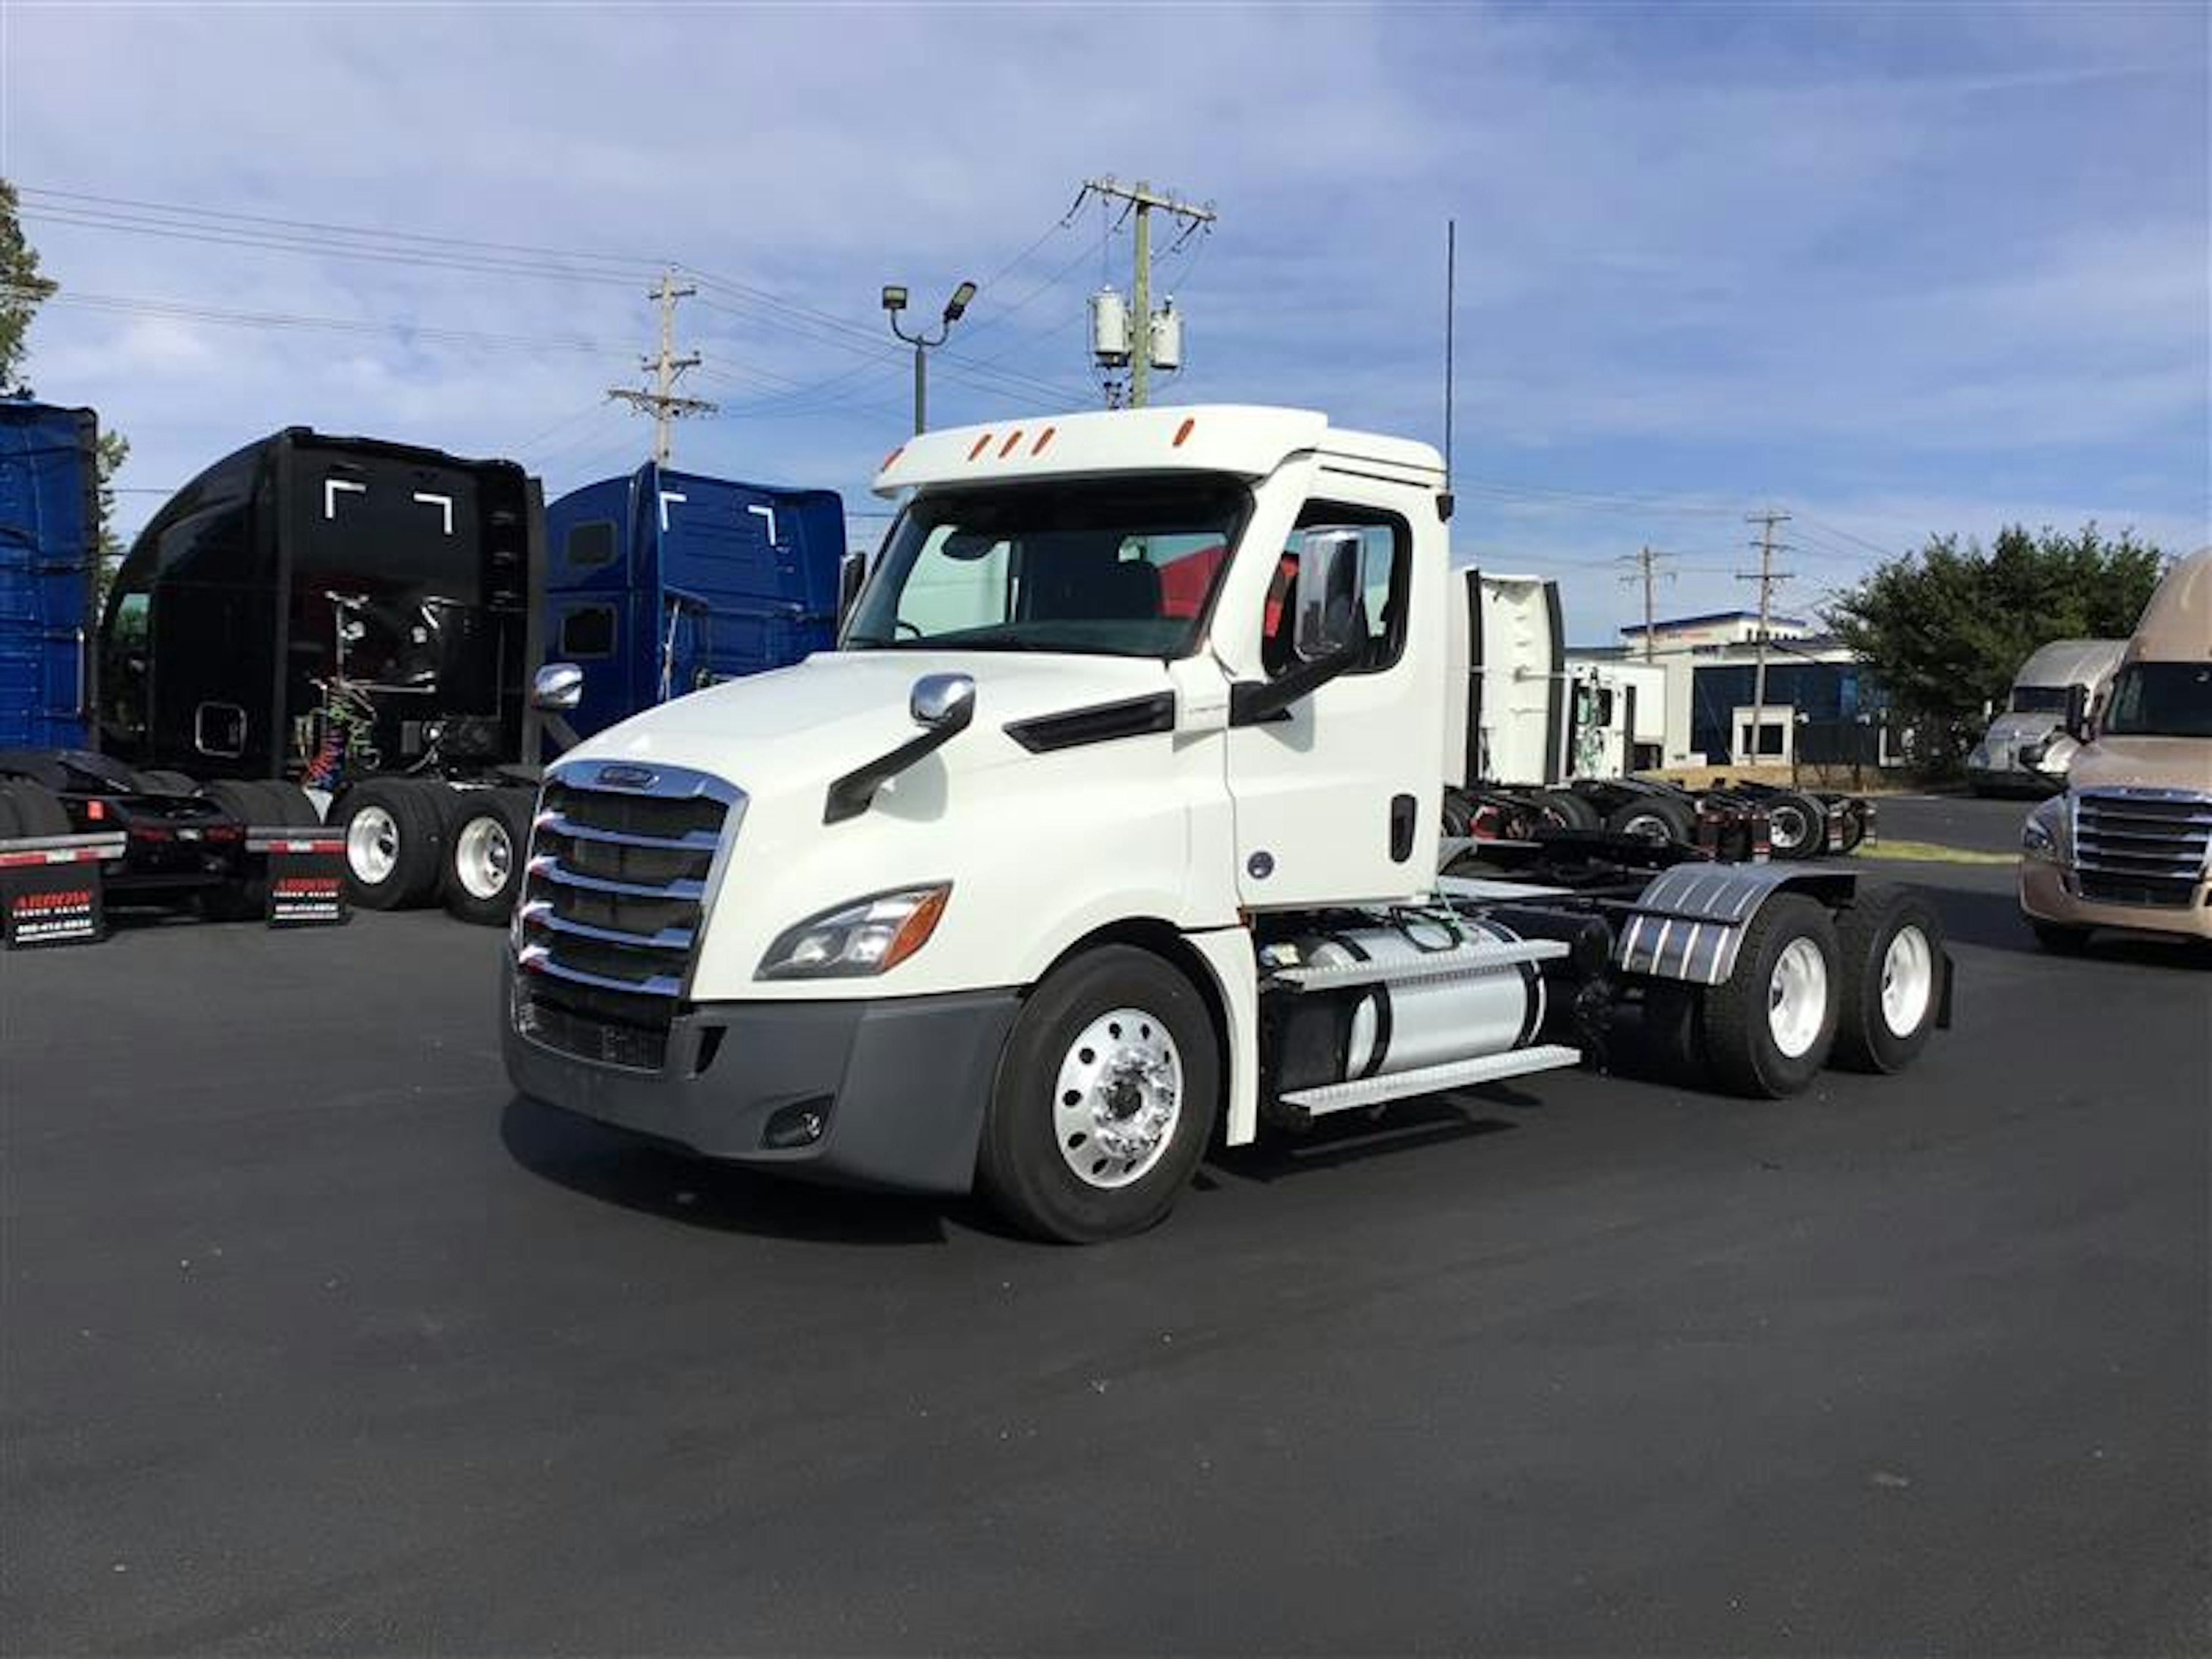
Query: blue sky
[(1895, 269)]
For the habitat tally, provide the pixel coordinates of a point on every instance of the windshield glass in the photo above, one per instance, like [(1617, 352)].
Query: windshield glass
[(2039, 700), (1114, 568), (2161, 700)]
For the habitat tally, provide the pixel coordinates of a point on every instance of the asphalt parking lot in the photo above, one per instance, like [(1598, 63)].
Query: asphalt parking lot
[(316, 1339)]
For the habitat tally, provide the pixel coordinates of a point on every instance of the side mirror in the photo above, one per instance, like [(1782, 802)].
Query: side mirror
[(2077, 723), (558, 687), (851, 574), (1326, 612), (943, 702), (942, 705)]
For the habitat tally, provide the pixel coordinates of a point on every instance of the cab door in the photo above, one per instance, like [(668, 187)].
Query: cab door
[(1336, 796)]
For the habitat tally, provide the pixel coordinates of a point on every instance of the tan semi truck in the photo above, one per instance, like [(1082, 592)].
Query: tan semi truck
[(2129, 845)]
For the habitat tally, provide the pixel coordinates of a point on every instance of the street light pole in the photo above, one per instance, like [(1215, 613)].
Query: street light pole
[(924, 340)]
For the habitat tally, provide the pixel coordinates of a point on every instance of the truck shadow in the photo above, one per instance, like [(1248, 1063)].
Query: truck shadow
[(1402, 1126), (1992, 921), (614, 1167)]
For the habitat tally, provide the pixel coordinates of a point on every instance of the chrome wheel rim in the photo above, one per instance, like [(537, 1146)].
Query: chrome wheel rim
[(1118, 1097), (1908, 980), (372, 845), (1797, 998), (483, 857), (1787, 829), (1648, 826)]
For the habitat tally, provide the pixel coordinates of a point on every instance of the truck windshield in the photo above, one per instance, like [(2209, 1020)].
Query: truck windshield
[(1111, 568), (2161, 700), (2039, 700)]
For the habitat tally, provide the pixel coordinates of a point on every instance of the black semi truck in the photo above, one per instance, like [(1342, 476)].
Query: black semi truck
[(341, 630)]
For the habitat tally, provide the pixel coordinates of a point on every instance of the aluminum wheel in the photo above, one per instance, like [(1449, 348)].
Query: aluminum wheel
[(1787, 829), (1647, 826), (1797, 997), (1118, 1097), (483, 857), (1908, 980), (372, 846)]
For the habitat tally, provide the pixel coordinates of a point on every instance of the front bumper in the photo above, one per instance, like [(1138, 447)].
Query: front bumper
[(899, 1084), (2045, 895)]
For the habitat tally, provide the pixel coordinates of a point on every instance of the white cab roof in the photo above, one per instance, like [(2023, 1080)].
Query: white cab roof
[(1248, 439)]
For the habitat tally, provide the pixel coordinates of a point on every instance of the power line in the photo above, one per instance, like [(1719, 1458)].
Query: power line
[(36, 192)]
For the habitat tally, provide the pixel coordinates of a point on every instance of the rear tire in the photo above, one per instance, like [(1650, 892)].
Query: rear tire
[(489, 840), (1656, 819), (37, 810), (1893, 986), (1572, 812), (395, 842), (239, 797), (288, 804), (1797, 825), (1105, 1101), (1769, 1028)]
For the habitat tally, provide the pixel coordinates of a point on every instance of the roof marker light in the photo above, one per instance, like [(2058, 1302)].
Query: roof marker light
[(1044, 438), (982, 444), (1007, 447), (889, 458), (1183, 431)]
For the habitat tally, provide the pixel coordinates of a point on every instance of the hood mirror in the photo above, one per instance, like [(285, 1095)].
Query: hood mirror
[(558, 687), (943, 702)]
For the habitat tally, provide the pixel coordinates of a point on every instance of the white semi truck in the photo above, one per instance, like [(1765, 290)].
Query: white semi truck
[(1112, 825)]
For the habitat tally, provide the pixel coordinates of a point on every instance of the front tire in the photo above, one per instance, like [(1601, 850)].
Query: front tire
[(1105, 1100), (1893, 987), (1769, 1028)]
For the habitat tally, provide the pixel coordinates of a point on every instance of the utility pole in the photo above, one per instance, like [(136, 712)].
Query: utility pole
[(1649, 560), (1766, 576), (662, 402), (1142, 199)]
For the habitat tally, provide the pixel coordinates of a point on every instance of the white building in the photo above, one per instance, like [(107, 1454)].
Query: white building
[(1709, 665)]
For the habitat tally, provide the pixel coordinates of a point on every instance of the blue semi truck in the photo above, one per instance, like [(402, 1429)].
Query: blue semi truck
[(663, 582), (49, 550), (343, 631)]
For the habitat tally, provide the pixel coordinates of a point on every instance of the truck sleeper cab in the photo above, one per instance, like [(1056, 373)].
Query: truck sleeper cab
[(2128, 845), (1114, 818)]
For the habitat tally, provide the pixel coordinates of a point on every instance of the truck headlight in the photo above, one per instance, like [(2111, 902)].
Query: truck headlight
[(2043, 835), (868, 936)]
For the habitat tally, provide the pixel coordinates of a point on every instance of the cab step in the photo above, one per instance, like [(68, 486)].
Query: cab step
[(1432, 1079), (1441, 964)]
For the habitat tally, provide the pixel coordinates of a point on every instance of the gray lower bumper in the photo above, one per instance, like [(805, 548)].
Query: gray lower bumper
[(900, 1084)]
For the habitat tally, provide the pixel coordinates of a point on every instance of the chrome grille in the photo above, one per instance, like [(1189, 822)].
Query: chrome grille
[(621, 858), (2144, 847)]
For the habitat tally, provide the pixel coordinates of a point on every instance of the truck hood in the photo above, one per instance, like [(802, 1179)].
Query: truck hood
[(2016, 729), (2145, 762), (820, 718)]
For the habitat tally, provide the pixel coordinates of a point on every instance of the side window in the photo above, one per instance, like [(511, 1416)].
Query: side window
[(588, 632), (590, 545), (1387, 560)]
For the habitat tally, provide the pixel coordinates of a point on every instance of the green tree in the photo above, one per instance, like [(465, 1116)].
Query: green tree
[(1944, 630), (23, 288)]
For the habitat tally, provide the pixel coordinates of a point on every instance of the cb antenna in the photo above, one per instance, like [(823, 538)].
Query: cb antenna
[(1452, 283)]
